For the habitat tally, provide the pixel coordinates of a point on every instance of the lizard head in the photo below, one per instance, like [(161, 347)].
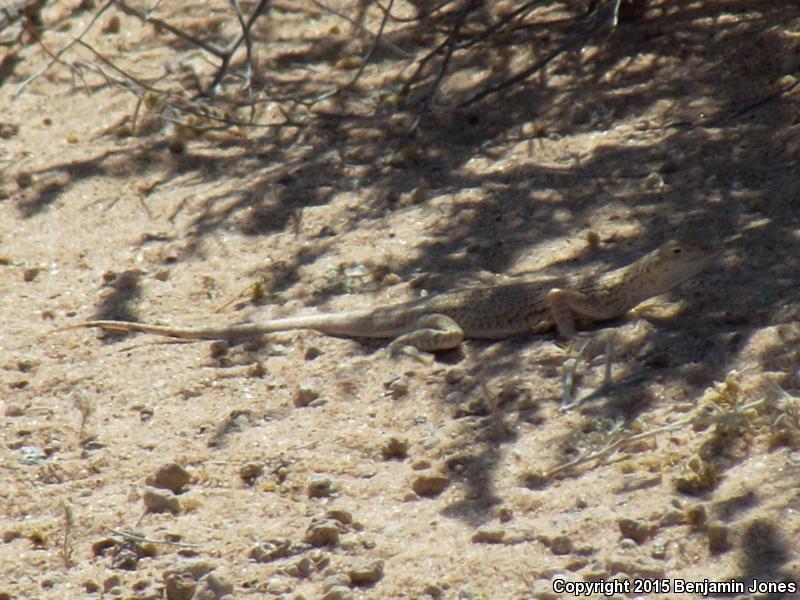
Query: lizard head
[(674, 262)]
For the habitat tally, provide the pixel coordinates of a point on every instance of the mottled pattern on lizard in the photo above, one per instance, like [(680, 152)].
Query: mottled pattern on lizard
[(442, 321)]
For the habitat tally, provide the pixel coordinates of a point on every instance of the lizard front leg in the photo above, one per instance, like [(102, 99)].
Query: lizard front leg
[(564, 305), (430, 333)]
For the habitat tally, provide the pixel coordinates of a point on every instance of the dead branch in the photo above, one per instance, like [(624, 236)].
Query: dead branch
[(364, 60), (451, 44), (55, 58), (604, 13)]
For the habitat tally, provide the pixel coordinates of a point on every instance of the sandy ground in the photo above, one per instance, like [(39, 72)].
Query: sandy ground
[(307, 466)]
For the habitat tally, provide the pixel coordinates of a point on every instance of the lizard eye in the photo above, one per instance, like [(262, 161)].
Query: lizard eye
[(677, 251)]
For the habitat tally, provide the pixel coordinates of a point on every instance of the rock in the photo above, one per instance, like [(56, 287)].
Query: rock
[(504, 514), (343, 516), (338, 592), (634, 568), (719, 538), (636, 530), (543, 590), (270, 550), (218, 348), (170, 476), (332, 581), (10, 535), (429, 485), (181, 581), (434, 591), (488, 535), (14, 410), (697, 517), (560, 545), (397, 387), (197, 568), (634, 481), (672, 517), (305, 396), (111, 582), (125, 558), (179, 586), (251, 471), (213, 587), (156, 500), (301, 568), (320, 486), (323, 533), (394, 448), (367, 573), (659, 551), (32, 456), (277, 586)]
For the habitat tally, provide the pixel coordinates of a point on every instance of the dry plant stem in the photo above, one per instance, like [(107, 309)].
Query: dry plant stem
[(56, 59), (232, 47), (432, 11), (132, 12), (69, 522), (504, 20), (570, 368), (378, 38), (133, 537), (58, 54), (609, 360), (576, 40), (451, 45), (139, 83), (619, 443), (364, 61)]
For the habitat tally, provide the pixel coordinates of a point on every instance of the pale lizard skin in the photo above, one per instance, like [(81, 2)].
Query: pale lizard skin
[(442, 321)]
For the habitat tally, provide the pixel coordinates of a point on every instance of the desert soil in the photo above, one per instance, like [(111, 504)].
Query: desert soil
[(309, 466)]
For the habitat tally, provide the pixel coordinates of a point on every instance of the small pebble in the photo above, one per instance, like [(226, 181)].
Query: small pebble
[(301, 568), (323, 533), (343, 516), (158, 500), (488, 535), (111, 26), (23, 180), (504, 514), (305, 396), (636, 530), (339, 592), (277, 586), (320, 486), (429, 485), (14, 410), (170, 476), (251, 471), (218, 348), (560, 545), (397, 387), (31, 455), (394, 448), (719, 538), (126, 558), (111, 582), (333, 580), (366, 574)]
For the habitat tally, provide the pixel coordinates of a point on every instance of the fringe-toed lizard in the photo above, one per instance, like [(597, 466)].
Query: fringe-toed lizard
[(442, 321)]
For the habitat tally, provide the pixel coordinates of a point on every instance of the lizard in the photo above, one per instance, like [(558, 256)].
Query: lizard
[(443, 321)]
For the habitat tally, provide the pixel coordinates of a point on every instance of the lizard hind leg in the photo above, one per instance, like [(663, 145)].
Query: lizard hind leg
[(430, 333)]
